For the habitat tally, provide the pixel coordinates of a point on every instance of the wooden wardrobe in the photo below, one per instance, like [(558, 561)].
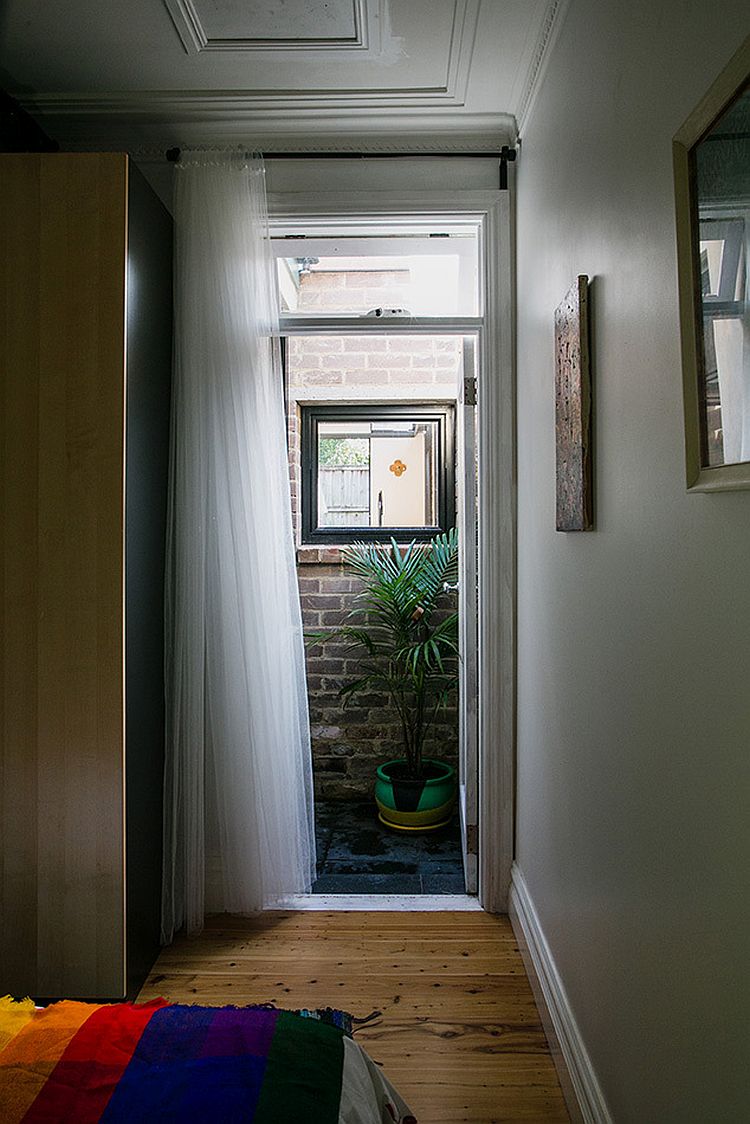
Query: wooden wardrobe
[(85, 360)]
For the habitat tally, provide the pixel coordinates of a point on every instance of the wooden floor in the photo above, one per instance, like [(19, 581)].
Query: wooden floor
[(460, 1036)]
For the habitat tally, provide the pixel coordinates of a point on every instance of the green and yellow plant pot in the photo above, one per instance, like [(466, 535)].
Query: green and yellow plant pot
[(415, 805)]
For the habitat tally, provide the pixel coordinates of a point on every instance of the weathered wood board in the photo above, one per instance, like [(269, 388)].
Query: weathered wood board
[(573, 411)]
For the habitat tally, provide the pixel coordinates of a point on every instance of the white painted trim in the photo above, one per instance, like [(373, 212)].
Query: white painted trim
[(591, 1104), (496, 471), (380, 903), (497, 494), (392, 326), (404, 207), (550, 29), (197, 105), (346, 144), (461, 51), (187, 24), (150, 130), (339, 102), (468, 630)]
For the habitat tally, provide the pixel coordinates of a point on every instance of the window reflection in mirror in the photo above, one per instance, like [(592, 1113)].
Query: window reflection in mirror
[(721, 178)]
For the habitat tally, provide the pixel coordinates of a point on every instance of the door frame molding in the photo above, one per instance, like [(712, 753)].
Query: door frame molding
[(496, 457)]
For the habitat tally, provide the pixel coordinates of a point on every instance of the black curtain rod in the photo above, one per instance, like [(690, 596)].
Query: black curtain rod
[(504, 155)]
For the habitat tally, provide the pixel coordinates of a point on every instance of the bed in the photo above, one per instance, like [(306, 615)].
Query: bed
[(159, 1061)]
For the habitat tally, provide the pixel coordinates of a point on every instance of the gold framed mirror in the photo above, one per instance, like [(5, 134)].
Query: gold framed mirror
[(712, 197)]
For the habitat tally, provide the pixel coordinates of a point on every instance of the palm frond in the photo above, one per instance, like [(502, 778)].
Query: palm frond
[(390, 626)]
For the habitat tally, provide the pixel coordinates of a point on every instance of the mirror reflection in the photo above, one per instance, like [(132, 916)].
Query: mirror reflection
[(722, 185)]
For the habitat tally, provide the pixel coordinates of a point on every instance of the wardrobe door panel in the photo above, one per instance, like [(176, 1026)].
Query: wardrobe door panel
[(61, 473)]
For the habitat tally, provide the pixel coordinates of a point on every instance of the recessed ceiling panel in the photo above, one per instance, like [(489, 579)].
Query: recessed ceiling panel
[(242, 25), (205, 70), (278, 19)]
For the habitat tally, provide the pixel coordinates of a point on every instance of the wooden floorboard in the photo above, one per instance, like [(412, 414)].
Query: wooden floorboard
[(459, 1034)]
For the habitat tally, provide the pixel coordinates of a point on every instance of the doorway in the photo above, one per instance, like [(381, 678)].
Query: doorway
[(378, 462), (335, 322)]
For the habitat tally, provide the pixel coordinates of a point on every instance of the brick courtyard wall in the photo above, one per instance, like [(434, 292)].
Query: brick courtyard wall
[(349, 741)]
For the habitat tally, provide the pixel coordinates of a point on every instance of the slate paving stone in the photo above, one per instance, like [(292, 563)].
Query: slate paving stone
[(358, 854), (323, 837), (443, 882), (368, 884), (351, 844), (372, 866)]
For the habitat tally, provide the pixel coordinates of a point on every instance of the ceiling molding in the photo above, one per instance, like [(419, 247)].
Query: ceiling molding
[(373, 133), (181, 105), (548, 33), (195, 39), (204, 105), (187, 24), (442, 69), (461, 52), (351, 145)]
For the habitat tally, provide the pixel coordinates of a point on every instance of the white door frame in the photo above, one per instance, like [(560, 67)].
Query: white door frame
[(496, 456), (468, 611)]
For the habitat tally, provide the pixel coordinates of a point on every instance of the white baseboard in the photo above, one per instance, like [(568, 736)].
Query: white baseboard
[(579, 1082)]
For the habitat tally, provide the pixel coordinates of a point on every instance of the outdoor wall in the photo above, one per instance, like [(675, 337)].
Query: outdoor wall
[(634, 645), (348, 742)]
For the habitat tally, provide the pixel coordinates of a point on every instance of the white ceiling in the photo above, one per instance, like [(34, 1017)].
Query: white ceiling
[(374, 74)]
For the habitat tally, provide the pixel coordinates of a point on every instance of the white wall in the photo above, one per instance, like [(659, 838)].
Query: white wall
[(311, 175), (633, 831)]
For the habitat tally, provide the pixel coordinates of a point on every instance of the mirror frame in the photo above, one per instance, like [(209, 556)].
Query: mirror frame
[(700, 478)]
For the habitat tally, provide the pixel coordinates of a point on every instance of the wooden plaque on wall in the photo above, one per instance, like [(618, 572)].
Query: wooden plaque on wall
[(573, 411)]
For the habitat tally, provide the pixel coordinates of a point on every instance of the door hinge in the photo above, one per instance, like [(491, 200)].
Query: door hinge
[(471, 839), (470, 391)]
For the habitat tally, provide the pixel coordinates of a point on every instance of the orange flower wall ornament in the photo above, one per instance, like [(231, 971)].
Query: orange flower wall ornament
[(398, 468)]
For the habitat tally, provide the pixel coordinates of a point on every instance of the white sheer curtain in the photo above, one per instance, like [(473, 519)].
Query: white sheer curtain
[(238, 828)]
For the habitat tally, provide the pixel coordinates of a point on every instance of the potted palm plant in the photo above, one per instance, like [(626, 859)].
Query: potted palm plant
[(407, 645)]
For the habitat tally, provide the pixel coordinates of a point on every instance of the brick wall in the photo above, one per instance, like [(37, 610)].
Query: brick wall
[(349, 741), (353, 291), (357, 368)]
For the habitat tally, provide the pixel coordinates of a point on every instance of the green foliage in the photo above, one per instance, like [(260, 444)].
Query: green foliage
[(338, 452), (406, 644)]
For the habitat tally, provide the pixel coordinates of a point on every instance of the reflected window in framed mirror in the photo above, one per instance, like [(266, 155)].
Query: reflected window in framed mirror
[(712, 194)]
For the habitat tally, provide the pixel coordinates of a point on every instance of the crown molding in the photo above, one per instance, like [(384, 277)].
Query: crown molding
[(215, 104), (548, 33), (353, 145), (376, 134), (201, 105)]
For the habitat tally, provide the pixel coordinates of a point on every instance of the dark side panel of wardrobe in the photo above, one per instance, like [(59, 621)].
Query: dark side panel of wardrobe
[(148, 365)]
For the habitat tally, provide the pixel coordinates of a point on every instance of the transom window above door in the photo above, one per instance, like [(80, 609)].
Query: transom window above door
[(372, 471), (369, 272)]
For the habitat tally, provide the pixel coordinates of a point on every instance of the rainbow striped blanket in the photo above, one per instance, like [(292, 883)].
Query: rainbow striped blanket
[(131, 1063)]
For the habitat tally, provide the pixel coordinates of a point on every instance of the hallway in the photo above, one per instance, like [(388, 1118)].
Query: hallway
[(459, 1034)]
